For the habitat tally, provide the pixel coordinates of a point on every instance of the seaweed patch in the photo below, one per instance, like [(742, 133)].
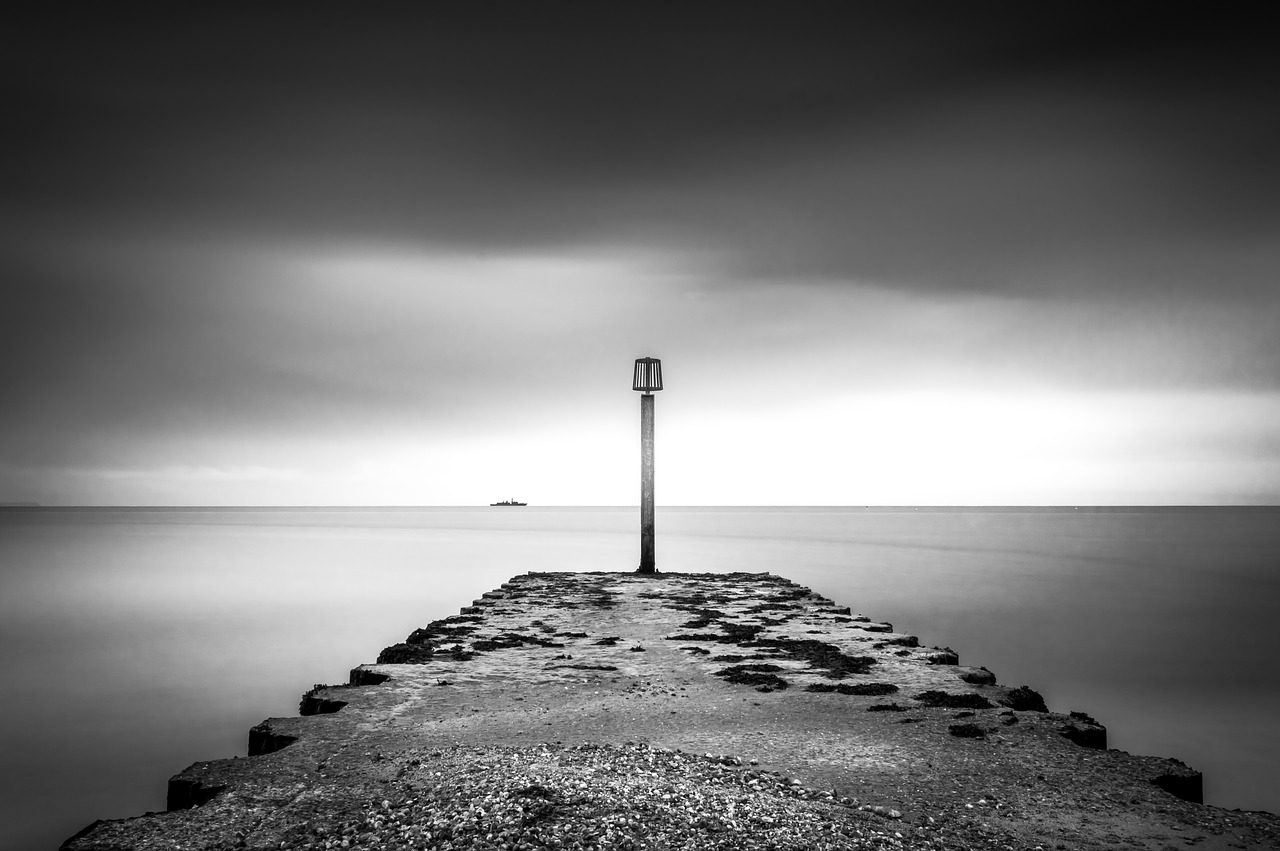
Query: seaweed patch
[(946, 700), (869, 689)]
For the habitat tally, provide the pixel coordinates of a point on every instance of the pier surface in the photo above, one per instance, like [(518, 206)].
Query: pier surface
[(607, 710)]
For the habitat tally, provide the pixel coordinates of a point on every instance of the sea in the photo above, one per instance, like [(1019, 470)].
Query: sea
[(136, 641)]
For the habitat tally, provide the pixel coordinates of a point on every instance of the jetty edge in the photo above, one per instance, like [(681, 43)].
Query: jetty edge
[(616, 710)]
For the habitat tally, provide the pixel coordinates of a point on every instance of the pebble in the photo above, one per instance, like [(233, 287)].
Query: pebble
[(602, 797)]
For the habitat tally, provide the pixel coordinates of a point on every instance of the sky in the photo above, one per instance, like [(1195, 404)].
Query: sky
[(889, 254)]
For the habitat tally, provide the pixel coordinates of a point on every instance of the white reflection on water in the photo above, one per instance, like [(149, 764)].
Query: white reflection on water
[(136, 642)]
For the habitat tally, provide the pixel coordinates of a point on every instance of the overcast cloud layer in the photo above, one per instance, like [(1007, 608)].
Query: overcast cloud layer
[(913, 254)]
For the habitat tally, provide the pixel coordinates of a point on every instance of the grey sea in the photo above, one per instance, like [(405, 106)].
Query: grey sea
[(134, 642)]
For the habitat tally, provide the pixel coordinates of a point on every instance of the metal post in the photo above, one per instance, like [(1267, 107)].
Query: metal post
[(647, 380), (646, 485)]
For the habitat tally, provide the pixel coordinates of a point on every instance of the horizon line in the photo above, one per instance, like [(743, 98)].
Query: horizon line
[(29, 506)]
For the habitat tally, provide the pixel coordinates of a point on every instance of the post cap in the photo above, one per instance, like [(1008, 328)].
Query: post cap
[(648, 375)]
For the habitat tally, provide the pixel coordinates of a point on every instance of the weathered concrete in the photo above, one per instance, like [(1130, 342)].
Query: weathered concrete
[(745, 666)]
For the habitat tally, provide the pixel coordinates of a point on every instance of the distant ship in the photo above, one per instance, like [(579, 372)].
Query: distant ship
[(508, 502)]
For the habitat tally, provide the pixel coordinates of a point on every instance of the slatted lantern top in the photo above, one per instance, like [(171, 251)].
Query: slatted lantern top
[(648, 377)]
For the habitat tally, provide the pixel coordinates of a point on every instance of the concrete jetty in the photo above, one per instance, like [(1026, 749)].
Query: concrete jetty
[(610, 710)]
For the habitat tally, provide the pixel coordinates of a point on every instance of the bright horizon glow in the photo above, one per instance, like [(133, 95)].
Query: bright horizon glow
[(942, 448)]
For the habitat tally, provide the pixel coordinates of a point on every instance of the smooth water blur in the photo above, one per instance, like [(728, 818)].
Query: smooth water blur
[(135, 642)]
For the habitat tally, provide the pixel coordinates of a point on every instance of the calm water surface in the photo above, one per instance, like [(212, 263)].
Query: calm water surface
[(135, 642)]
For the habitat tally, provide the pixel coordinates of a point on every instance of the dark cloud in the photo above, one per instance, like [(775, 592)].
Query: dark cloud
[(919, 145)]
